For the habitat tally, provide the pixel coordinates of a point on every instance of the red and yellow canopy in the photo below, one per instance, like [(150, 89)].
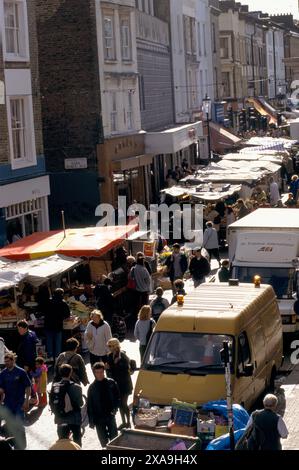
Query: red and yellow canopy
[(87, 242)]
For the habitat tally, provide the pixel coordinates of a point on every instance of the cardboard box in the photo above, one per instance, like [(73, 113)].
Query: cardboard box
[(183, 430)]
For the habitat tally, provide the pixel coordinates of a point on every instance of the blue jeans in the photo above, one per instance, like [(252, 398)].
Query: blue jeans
[(14, 425), (54, 343)]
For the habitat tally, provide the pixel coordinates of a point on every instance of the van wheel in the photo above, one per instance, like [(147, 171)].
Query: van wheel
[(271, 385)]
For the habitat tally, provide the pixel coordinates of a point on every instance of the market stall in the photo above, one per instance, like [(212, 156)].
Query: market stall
[(24, 289)]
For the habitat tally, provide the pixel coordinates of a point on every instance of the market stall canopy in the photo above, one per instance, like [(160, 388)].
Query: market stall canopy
[(264, 109), (205, 192), (257, 144), (87, 242), (36, 272), (222, 139)]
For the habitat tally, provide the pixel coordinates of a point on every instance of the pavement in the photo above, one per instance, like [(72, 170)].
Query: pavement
[(289, 392), (41, 430)]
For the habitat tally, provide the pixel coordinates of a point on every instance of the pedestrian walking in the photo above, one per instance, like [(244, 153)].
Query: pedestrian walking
[(199, 267), (104, 298), (159, 304), (96, 335), (72, 357), (26, 351), (177, 264), (274, 192), (179, 289), (103, 401), (118, 369), (143, 328), (15, 390), (56, 311), (223, 273), (40, 377), (66, 401), (143, 281), (268, 427), (210, 241)]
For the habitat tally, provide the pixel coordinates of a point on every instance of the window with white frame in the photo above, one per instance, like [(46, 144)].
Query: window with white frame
[(21, 132), (16, 44), (109, 37), (18, 128), (125, 35), (113, 114), (130, 111)]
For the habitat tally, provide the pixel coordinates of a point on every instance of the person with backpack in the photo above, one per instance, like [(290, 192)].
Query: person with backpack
[(199, 267), (118, 368), (66, 401), (159, 304), (267, 427), (96, 335), (144, 328), (71, 356), (103, 400)]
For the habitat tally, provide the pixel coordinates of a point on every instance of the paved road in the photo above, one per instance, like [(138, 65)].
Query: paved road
[(41, 431)]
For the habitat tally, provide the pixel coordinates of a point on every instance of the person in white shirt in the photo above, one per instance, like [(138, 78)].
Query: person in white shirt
[(269, 426), (96, 335), (210, 241), (274, 192)]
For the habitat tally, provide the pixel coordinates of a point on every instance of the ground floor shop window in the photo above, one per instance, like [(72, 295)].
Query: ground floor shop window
[(23, 219)]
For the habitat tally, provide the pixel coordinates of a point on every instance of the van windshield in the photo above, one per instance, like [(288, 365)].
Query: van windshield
[(190, 353), (279, 278)]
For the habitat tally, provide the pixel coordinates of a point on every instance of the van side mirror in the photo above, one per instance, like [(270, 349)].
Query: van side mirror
[(248, 370)]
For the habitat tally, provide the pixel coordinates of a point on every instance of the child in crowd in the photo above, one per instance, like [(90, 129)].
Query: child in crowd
[(40, 376), (179, 290)]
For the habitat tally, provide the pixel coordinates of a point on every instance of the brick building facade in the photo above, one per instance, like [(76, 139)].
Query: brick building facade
[(24, 186), (71, 107)]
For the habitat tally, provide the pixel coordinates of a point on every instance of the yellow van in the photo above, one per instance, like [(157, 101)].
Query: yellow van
[(183, 357)]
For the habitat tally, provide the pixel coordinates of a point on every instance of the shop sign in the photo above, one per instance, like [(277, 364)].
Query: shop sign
[(149, 249), (219, 112), (75, 163)]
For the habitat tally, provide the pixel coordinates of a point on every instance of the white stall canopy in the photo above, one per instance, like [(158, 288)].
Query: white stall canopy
[(36, 272)]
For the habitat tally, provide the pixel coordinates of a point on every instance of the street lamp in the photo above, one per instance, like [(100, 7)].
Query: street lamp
[(207, 108)]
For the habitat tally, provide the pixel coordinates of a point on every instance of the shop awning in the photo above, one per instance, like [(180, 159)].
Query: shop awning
[(34, 271), (263, 111), (222, 139), (86, 242), (132, 162)]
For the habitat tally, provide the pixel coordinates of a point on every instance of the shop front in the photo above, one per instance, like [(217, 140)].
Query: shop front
[(125, 170), (23, 208), (171, 147)]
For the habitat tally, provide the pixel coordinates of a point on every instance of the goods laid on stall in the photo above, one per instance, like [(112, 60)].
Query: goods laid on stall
[(208, 422), (8, 309), (79, 310)]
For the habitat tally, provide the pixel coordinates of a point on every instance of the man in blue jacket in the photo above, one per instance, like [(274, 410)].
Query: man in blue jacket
[(27, 347)]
